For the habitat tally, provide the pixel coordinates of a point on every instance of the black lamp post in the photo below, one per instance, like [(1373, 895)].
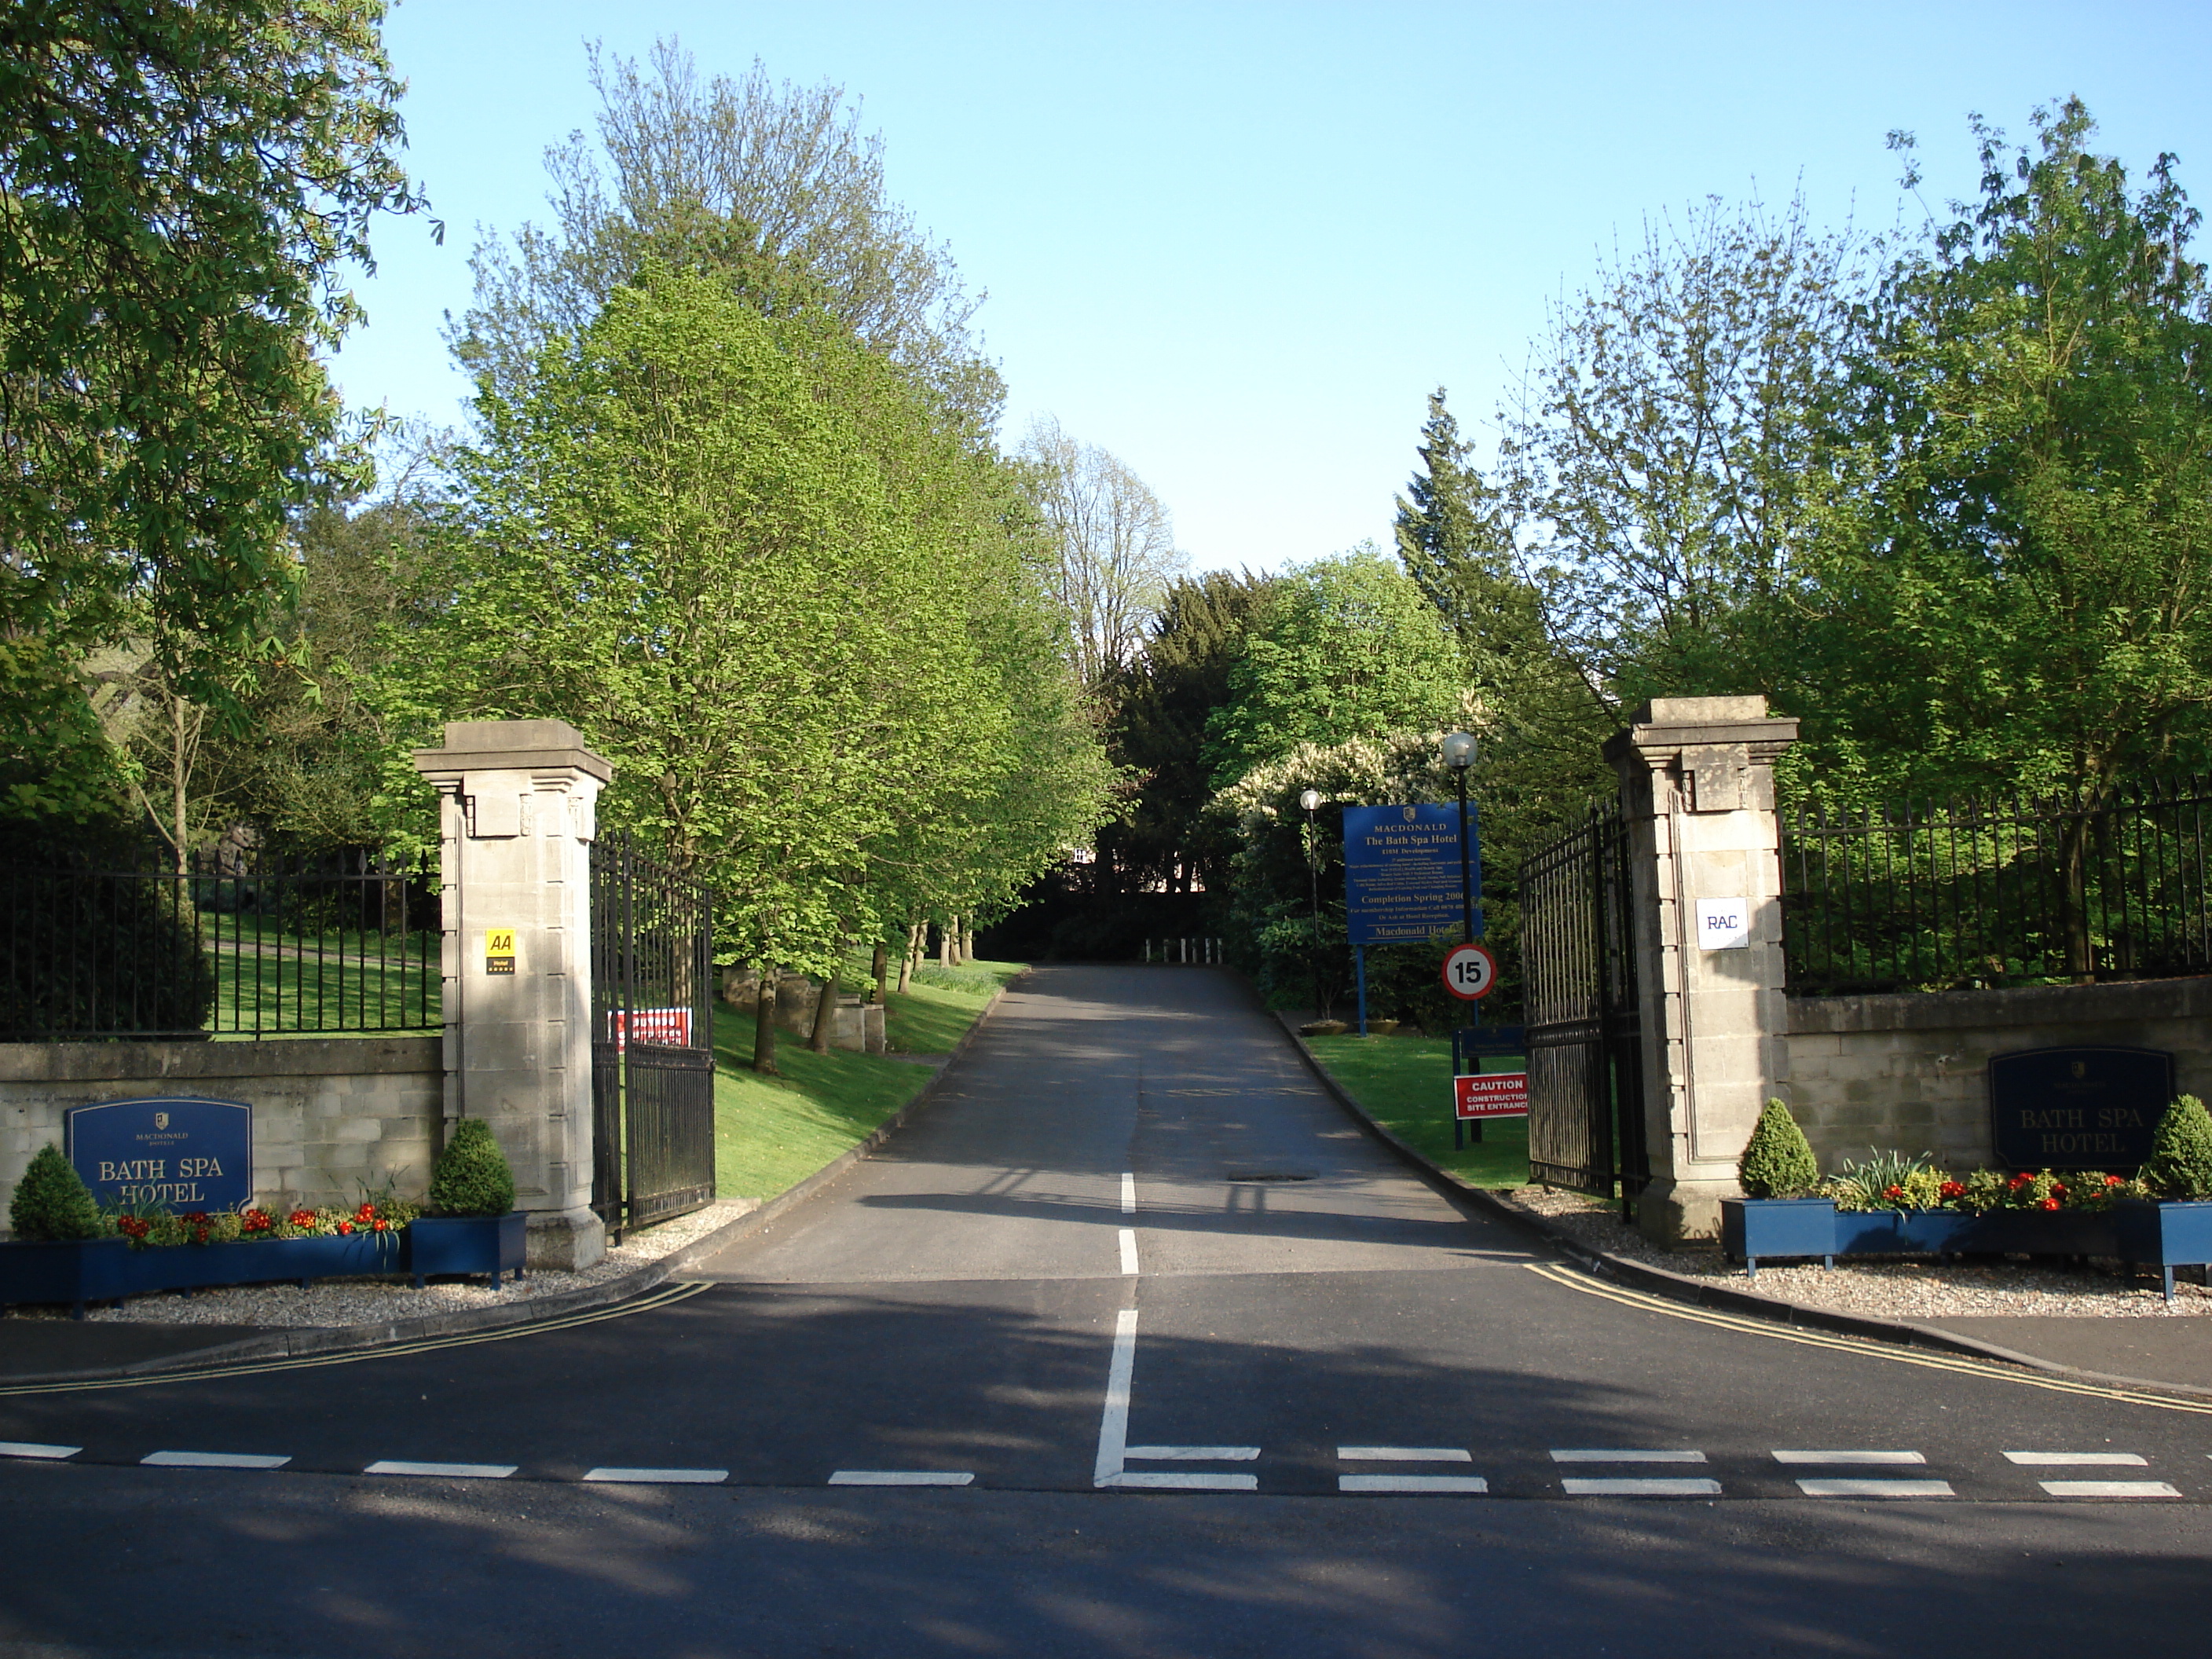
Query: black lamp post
[(1310, 801), (1459, 755)]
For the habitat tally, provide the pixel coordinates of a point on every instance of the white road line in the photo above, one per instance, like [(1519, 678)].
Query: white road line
[(1614, 1455), (1402, 1455), (1194, 1454), (1114, 1423), (2077, 1460), (1647, 1487), (33, 1449), (177, 1459), (457, 1471), (660, 1477), (2108, 1488), (1876, 1489), (1181, 1482), (1129, 1251), (1129, 1193), (1468, 1483), (901, 1477), (1848, 1457)]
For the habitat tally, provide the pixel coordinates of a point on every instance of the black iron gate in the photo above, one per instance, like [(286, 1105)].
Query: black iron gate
[(652, 1056), (1585, 1060)]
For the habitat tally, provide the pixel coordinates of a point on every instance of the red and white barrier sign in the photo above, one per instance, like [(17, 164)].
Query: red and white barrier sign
[(1495, 1094), (670, 1027)]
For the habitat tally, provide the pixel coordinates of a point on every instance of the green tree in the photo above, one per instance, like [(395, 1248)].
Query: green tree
[(770, 185), (2013, 584), (1347, 648), (180, 187)]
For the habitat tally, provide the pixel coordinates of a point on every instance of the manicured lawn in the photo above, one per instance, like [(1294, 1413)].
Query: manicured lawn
[(771, 1134), (1405, 1084)]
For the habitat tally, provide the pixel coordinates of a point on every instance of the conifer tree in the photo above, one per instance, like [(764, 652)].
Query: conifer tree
[(2180, 1164), (1777, 1161)]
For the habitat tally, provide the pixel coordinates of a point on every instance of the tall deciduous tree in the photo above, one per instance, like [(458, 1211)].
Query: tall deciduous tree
[(771, 184), (2017, 585), (181, 186), (1114, 547)]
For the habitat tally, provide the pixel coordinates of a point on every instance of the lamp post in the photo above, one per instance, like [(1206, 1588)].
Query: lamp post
[(1459, 755), (1310, 799)]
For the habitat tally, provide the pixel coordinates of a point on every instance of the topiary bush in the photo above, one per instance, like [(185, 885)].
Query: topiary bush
[(1777, 1161), (51, 1202), (472, 1177), (2180, 1164)]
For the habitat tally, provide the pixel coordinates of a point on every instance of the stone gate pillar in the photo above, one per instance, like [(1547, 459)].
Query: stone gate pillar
[(1697, 791), (515, 803)]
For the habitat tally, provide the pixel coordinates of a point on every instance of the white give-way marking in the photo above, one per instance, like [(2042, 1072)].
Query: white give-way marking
[(1129, 1193), (1129, 1251), (1115, 1450)]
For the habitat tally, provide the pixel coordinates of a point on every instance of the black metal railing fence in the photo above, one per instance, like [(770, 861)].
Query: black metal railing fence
[(240, 942), (2000, 891)]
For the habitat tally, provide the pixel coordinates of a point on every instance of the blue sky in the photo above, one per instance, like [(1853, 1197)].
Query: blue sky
[(1239, 244)]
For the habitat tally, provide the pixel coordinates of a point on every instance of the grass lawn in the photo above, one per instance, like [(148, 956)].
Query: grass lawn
[(771, 1134), (1405, 1084)]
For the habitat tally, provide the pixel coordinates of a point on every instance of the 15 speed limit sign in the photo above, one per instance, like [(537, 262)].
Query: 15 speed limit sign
[(1470, 972)]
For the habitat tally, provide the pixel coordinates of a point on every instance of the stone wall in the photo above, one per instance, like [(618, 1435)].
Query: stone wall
[(1910, 1073), (328, 1112)]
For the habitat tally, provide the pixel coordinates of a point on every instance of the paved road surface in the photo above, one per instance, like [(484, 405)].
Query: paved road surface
[(1131, 1345)]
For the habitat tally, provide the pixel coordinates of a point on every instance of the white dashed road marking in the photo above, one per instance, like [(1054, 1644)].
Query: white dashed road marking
[(1647, 1487), (660, 1477), (1432, 1483), (183, 1460), (33, 1449), (2077, 1460), (1403, 1455), (457, 1471), (901, 1477), (2108, 1488), (1614, 1455), (1848, 1457), (1847, 1488), (1182, 1481), (1194, 1454), (1129, 1250), (1128, 1194)]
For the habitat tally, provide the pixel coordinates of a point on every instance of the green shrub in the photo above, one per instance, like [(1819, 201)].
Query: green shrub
[(2180, 1164), (1777, 1162), (472, 1177), (52, 1202)]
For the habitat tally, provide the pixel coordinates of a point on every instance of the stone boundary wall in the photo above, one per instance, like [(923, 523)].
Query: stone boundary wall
[(328, 1112), (1910, 1073)]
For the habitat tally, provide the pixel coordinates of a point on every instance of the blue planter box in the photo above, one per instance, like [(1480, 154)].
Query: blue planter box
[(1755, 1227), (492, 1244), (2165, 1235), (107, 1269)]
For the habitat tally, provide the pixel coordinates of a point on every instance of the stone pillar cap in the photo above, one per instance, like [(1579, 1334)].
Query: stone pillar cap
[(511, 746), (1672, 723)]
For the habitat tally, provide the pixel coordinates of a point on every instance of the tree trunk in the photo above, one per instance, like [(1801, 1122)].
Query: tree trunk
[(178, 765), (908, 956), (764, 1025), (826, 1015), (880, 969), (944, 941)]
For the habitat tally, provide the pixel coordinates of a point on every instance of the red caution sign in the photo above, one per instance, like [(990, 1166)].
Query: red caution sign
[(1496, 1094)]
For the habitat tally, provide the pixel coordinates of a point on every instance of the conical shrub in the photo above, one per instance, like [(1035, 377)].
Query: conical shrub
[(472, 1177), (51, 1202), (1777, 1162), (2180, 1164)]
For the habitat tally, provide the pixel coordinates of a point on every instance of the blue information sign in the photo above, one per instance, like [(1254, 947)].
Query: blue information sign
[(184, 1155), (1401, 872)]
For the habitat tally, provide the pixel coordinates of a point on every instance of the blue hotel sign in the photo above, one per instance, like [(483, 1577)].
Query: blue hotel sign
[(1401, 872), (184, 1155)]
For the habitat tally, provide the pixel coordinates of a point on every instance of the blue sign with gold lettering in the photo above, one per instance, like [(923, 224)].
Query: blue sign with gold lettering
[(183, 1155), (1401, 875), (2077, 1108)]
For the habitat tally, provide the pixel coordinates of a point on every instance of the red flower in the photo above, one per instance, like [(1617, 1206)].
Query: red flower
[(132, 1227), (1954, 1189), (366, 1214), (256, 1221), (381, 1225), (2019, 1181), (347, 1226), (2114, 1181), (301, 1218), (2048, 1204)]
